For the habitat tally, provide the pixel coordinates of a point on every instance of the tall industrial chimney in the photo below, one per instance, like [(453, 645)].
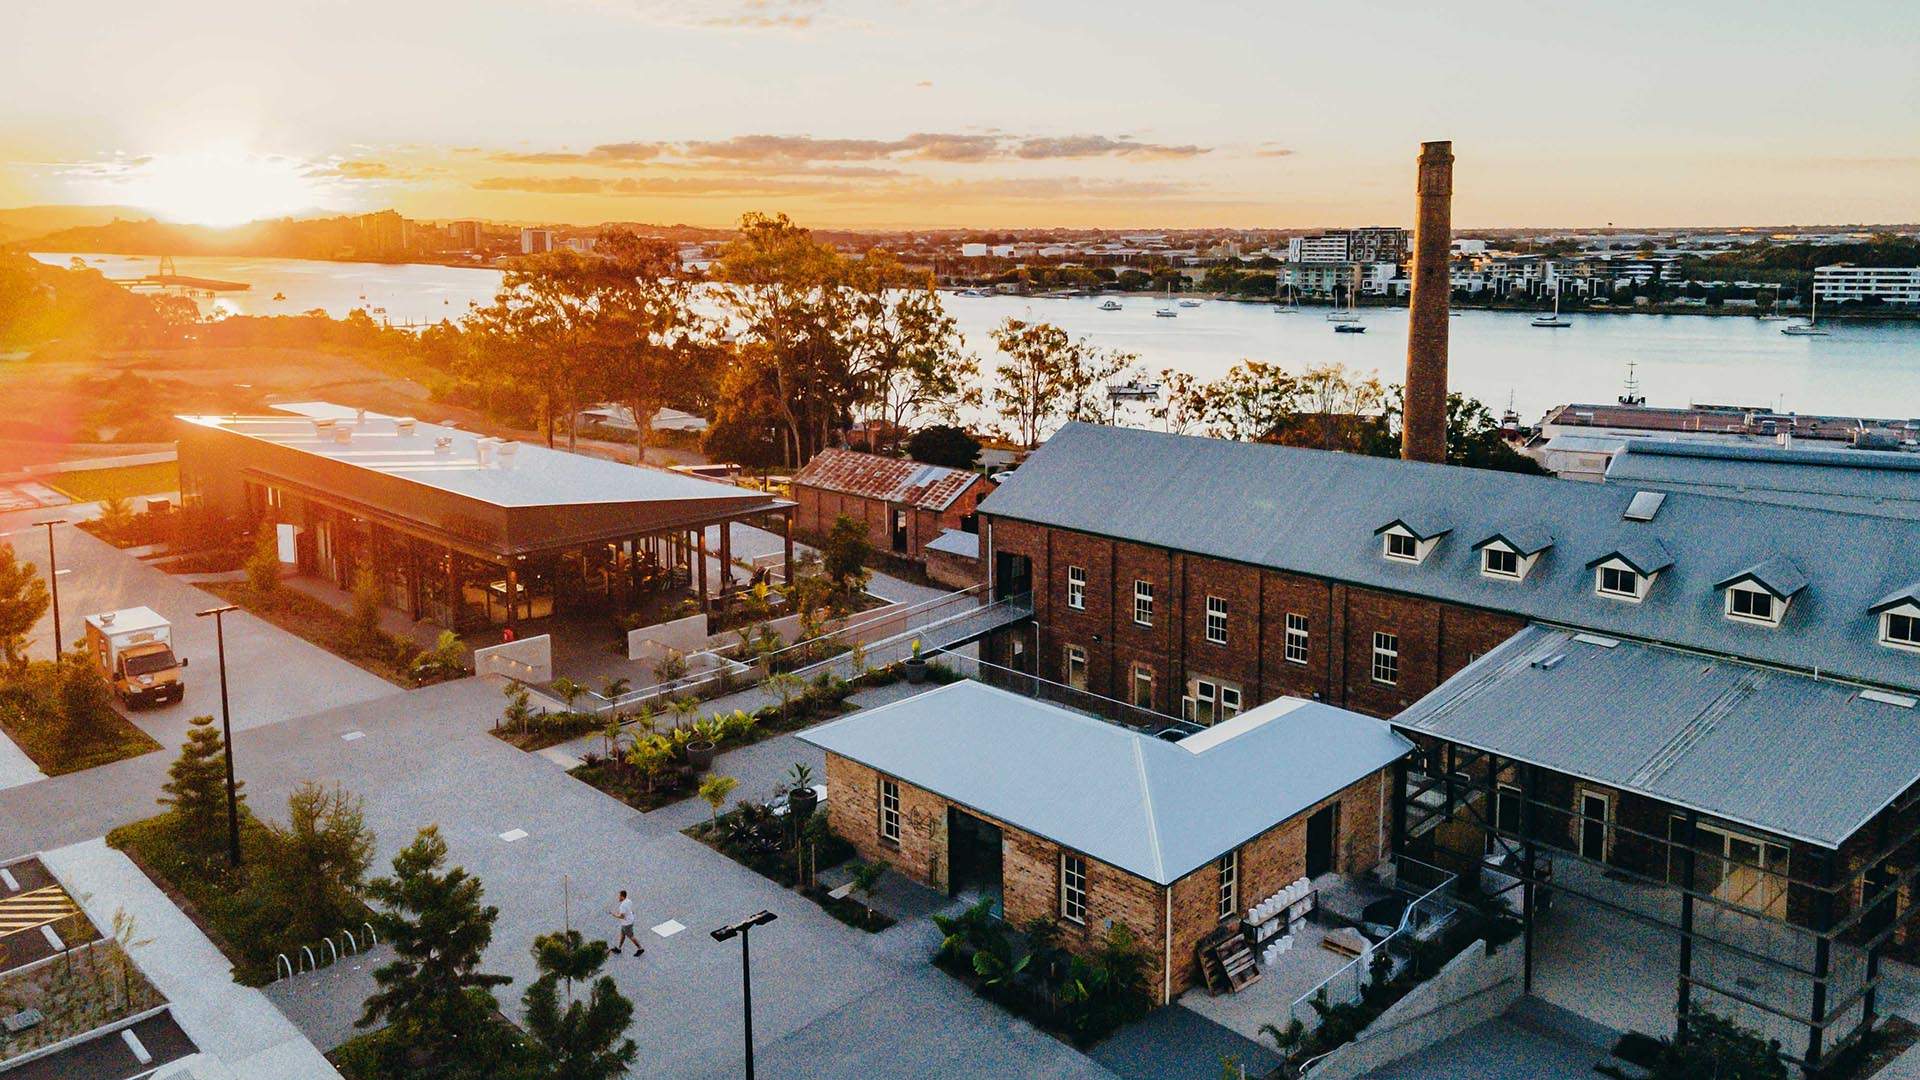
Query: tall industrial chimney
[(1423, 435)]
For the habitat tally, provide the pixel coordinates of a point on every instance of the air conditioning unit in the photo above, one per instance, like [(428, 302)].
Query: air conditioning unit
[(404, 426)]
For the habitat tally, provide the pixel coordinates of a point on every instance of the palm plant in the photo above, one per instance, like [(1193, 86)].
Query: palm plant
[(683, 710), (714, 790), (787, 686), (519, 711), (568, 690), (613, 688)]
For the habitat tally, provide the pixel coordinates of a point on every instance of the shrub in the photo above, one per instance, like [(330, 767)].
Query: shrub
[(263, 566)]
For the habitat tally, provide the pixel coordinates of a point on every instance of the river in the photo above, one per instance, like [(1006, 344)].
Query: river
[(1864, 368)]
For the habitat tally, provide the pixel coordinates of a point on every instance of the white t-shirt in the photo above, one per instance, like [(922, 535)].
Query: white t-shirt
[(623, 913)]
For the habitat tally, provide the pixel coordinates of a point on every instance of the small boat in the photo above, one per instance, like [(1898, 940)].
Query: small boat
[(1810, 328), (1349, 328), (1133, 390), (1347, 316), (1166, 311), (1189, 303), (1553, 319), (1292, 306), (279, 296), (1110, 305)]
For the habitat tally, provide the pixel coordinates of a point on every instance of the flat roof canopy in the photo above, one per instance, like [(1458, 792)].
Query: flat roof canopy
[(1785, 753), (527, 498), (1153, 808)]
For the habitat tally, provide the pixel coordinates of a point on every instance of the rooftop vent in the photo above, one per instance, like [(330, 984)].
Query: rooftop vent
[(322, 425), (404, 426), (443, 444), (508, 450), (483, 450), (1548, 663), (1645, 505), (342, 434), (1883, 697), (106, 618)]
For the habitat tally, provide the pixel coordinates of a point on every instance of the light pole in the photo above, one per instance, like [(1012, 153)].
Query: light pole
[(53, 582), (740, 929), (226, 727)]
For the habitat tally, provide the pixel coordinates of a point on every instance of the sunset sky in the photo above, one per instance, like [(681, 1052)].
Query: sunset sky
[(967, 113)]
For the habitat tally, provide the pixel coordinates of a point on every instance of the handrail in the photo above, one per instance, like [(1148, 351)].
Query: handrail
[(1318, 990)]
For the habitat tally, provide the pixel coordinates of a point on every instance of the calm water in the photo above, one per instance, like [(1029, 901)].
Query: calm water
[(1870, 369)]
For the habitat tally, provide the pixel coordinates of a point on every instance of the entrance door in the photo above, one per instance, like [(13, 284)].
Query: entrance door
[(900, 530), (1012, 575), (1320, 832), (973, 856), (1593, 826)]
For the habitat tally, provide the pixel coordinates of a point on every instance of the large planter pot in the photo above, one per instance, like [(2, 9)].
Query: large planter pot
[(915, 669), (801, 802), (700, 755)]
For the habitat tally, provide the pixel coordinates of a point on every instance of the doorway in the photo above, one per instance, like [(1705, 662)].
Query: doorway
[(1595, 815), (900, 531), (1321, 828), (973, 857), (1012, 575)]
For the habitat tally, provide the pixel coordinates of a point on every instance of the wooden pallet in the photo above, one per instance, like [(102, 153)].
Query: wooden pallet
[(1228, 964)]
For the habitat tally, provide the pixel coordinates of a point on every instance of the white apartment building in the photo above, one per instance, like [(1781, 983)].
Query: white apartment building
[(536, 241), (1325, 248), (1889, 284)]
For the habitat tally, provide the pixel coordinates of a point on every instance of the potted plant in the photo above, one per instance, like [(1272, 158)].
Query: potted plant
[(706, 740), (916, 665), (801, 798)]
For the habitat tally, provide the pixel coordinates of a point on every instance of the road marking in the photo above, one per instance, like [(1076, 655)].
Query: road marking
[(352, 735), (513, 834), (842, 892), (41, 906), (669, 928), (53, 939)]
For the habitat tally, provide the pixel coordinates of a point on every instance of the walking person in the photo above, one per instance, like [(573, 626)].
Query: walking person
[(623, 914)]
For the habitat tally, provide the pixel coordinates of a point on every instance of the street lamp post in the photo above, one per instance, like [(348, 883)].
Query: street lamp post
[(226, 727), (53, 582), (739, 930)]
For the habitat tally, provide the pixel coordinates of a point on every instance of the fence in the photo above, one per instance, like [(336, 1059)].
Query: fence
[(1426, 915)]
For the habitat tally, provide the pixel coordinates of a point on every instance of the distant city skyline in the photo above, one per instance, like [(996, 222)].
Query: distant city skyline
[(982, 114)]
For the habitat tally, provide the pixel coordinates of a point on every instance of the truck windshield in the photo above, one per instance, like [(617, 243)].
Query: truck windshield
[(148, 663)]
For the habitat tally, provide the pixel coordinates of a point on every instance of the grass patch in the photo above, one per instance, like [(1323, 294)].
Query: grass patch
[(248, 913), (39, 715), (119, 482)]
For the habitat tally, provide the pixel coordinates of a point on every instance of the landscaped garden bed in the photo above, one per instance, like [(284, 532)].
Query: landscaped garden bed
[(117, 482), (86, 989), (795, 855), (357, 639), (1083, 998), (62, 716)]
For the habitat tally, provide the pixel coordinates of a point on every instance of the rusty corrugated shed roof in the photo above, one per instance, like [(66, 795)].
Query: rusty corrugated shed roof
[(849, 472)]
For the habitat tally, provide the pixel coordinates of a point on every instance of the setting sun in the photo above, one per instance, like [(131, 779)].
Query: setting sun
[(221, 187)]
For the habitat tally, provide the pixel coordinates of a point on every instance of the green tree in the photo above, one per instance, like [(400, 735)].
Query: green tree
[(263, 566), (907, 354), (1046, 377), (585, 1040), (321, 856), (433, 993), (944, 444), (363, 619), (23, 599), (1718, 1049), (714, 791), (85, 696), (846, 553), (648, 334), (196, 788)]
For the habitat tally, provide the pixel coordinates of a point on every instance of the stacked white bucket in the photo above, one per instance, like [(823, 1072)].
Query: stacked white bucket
[(1273, 918)]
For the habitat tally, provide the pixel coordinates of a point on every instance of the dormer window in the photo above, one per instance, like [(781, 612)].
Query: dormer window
[(1752, 605), (1762, 593), (1618, 580), (1509, 555), (1408, 540), (1900, 628), (1499, 562)]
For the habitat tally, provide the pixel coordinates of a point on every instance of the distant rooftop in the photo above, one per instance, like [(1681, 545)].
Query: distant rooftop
[(1717, 419), (1876, 482), (873, 476), (493, 471), (1153, 808)]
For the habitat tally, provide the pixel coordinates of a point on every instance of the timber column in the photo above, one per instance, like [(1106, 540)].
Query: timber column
[(1424, 422)]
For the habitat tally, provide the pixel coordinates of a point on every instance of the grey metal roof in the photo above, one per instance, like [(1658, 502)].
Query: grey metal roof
[(1782, 752), (1150, 807), (1777, 574), (530, 475), (1642, 552), (1877, 482), (956, 542), (1314, 512), (1523, 539), (1905, 594), (1423, 522)]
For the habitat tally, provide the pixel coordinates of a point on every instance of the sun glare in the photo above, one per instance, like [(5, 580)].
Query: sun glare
[(221, 188)]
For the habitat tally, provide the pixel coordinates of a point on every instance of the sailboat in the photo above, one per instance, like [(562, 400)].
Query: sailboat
[(1110, 305), (1349, 315), (1811, 327), (1292, 306), (1166, 311), (1774, 315), (1553, 319)]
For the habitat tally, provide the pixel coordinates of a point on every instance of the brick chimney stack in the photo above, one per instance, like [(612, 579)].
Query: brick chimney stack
[(1424, 421)]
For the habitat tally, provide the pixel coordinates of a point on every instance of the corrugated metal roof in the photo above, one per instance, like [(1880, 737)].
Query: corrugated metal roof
[(1877, 482), (1147, 806), (956, 542), (1523, 539), (1644, 553), (1778, 751), (1777, 574), (1314, 512), (850, 472)]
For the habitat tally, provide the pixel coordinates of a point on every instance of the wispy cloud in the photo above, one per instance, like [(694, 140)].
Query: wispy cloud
[(748, 15), (1086, 146), (947, 147), (605, 154)]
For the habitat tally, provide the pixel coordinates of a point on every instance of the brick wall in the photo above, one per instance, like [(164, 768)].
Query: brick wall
[(1435, 639), (815, 510)]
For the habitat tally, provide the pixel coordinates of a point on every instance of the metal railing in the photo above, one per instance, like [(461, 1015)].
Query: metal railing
[(1429, 912)]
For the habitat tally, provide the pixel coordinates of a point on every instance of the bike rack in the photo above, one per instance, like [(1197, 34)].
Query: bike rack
[(352, 945), (334, 951), (312, 964), (370, 935), (279, 962)]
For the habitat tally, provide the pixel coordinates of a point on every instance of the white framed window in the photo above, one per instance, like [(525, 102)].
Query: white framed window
[(1620, 581), (1296, 646), (1077, 588), (1142, 687), (889, 811), (1204, 695), (1500, 562), (1076, 667), (1900, 628), (1748, 604), (1229, 702), (1143, 602), (1386, 658), (1073, 887), (1229, 896), (1401, 546), (1217, 620)]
